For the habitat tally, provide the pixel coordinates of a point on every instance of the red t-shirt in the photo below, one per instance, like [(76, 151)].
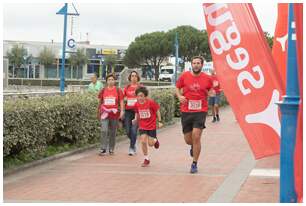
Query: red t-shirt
[(216, 84), (111, 98), (129, 94), (195, 90), (147, 114)]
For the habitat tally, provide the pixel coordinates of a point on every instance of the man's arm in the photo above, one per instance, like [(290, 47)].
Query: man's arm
[(179, 95)]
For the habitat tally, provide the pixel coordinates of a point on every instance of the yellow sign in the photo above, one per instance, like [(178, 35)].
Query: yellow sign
[(109, 51)]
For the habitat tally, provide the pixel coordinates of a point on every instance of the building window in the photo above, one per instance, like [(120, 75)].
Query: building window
[(21, 72), (51, 71), (37, 71), (77, 72), (11, 72), (31, 71), (93, 66), (67, 72)]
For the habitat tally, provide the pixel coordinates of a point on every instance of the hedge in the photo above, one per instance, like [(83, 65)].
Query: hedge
[(30, 125), (56, 82)]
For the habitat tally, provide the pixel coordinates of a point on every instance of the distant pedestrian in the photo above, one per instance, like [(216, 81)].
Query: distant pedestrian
[(147, 110), (191, 89), (111, 98), (214, 97), (131, 99), (95, 85)]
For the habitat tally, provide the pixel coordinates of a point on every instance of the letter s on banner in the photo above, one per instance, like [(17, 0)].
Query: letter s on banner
[(246, 71)]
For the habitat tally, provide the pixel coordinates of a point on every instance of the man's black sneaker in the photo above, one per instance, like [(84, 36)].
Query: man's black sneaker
[(218, 118), (214, 119)]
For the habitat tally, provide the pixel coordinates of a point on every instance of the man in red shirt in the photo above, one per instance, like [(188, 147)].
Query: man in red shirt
[(191, 89), (214, 96), (146, 112), (131, 99), (108, 113)]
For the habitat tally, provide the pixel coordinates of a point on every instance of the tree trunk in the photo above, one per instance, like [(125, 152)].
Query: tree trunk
[(156, 68)]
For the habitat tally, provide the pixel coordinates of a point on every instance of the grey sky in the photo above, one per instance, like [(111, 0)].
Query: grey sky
[(113, 24)]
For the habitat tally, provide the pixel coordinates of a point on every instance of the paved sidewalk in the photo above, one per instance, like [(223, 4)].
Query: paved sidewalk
[(227, 172)]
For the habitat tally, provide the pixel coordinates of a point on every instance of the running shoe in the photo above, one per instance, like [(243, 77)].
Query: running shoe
[(102, 152), (145, 163), (194, 168), (156, 145), (131, 151)]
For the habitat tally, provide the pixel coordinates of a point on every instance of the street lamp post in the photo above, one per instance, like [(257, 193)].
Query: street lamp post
[(176, 44)]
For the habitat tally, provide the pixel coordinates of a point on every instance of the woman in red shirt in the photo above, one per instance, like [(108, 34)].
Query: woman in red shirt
[(110, 99), (129, 114), (146, 112)]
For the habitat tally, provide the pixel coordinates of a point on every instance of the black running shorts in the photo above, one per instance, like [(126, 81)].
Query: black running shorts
[(150, 133), (192, 120)]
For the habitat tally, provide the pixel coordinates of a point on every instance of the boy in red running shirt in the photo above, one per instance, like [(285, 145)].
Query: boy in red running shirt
[(146, 112)]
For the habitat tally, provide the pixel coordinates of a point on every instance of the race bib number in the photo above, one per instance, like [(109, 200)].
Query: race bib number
[(131, 102), (195, 104), (110, 101), (144, 114)]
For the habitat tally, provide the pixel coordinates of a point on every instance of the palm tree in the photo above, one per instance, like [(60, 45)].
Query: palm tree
[(110, 61), (46, 57), (17, 56), (78, 59)]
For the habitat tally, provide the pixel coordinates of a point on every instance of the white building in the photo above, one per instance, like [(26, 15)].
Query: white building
[(34, 70)]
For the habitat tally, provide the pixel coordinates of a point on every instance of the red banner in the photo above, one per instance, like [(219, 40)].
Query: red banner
[(280, 43), (298, 158), (247, 73)]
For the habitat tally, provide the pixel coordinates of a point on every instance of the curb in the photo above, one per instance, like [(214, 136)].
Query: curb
[(47, 159), (65, 154)]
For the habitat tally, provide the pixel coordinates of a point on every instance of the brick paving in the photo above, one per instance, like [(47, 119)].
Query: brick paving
[(88, 177)]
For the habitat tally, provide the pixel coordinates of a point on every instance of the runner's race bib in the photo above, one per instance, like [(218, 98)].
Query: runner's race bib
[(131, 102), (144, 114), (195, 104), (110, 101)]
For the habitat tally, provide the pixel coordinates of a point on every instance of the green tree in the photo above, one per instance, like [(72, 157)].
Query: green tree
[(149, 49), (17, 56), (192, 42), (78, 59), (110, 61), (46, 56)]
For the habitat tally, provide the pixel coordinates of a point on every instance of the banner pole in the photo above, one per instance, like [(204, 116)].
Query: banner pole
[(289, 109)]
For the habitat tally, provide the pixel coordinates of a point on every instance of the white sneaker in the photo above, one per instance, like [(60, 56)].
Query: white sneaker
[(131, 151)]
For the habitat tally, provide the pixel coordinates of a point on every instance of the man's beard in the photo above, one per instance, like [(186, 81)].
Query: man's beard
[(196, 72)]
